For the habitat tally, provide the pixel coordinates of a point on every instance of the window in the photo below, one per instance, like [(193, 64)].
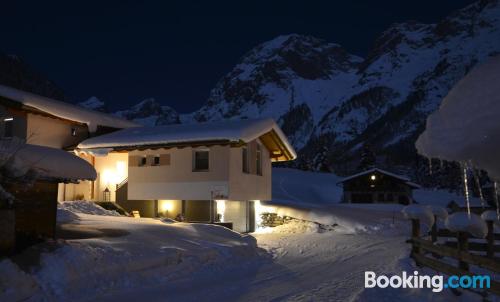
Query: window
[(142, 161), (156, 160), (200, 160), (258, 160), (8, 127), (73, 131), (244, 158)]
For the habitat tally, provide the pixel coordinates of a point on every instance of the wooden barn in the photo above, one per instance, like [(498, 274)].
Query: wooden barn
[(377, 186)]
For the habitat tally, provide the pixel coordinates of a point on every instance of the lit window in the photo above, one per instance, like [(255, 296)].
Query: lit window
[(258, 161), (8, 127), (201, 160), (244, 155)]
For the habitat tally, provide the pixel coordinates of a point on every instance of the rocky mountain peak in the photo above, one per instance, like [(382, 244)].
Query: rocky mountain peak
[(93, 103), (150, 112)]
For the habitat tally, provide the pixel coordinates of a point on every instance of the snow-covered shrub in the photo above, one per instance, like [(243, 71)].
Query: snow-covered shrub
[(12, 172), (491, 216), (439, 212), (470, 223), (422, 213)]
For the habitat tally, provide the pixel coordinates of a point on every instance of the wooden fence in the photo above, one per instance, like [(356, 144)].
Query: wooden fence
[(433, 249)]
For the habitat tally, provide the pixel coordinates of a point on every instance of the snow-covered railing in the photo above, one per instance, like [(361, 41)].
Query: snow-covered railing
[(436, 251)]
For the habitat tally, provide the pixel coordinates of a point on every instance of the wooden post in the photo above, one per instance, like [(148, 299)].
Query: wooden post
[(7, 231), (434, 230), (415, 233), (463, 246), (490, 239)]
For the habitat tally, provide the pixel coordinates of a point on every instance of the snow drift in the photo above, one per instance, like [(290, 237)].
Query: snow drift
[(148, 253), (466, 127)]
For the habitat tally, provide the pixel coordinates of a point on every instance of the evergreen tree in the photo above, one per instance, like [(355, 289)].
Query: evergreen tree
[(368, 158)]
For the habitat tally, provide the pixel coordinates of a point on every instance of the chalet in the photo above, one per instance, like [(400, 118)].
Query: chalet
[(377, 186), (209, 172)]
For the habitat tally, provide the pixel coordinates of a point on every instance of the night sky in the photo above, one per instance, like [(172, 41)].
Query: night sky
[(176, 51)]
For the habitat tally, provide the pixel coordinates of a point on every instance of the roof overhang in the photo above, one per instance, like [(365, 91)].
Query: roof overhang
[(278, 150)]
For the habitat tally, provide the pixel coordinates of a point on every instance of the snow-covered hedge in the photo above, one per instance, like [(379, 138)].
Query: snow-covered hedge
[(422, 213), (491, 216), (439, 212), (470, 223)]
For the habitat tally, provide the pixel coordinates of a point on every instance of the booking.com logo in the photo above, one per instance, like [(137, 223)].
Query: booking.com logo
[(436, 282)]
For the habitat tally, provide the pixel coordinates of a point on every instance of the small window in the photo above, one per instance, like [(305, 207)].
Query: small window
[(156, 160), (201, 160), (8, 127), (258, 161), (142, 161), (73, 131), (244, 158)]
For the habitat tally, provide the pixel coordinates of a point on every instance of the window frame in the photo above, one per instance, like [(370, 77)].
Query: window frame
[(258, 160), (194, 166), (245, 160), (156, 160), (10, 122), (143, 161)]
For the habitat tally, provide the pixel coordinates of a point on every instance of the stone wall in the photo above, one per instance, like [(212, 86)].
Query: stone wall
[(273, 220)]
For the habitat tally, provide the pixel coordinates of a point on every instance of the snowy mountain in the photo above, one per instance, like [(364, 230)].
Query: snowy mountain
[(293, 78), (150, 113), (93, 103), (330, 102)]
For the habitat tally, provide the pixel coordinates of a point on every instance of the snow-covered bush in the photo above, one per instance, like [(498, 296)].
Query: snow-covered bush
[(470, 223), (11, 172), (491, 216), (439, 212), (422, 213)]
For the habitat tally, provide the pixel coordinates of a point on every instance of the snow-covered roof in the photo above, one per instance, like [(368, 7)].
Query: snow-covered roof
[(400, 177), (50, 164), (231, 131), (65, 110), (466, 127)]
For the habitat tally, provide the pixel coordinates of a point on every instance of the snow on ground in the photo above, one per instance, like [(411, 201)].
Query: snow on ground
[(316, 197), (132, 253), (149, 260), (306, 264)]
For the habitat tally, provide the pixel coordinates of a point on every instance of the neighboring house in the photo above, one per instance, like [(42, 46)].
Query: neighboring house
[(46, 122), (377, 186), (40, 121), (208, 172)]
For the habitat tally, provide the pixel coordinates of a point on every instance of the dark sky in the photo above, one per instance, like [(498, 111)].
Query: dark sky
[(175, 51)]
